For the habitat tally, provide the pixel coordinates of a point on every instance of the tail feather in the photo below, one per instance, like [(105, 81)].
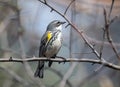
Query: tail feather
[(50, 63), (40, 70)]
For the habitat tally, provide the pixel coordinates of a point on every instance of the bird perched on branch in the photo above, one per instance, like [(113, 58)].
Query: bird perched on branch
[(50, 45)]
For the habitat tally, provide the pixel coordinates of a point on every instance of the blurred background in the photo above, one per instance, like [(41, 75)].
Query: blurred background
[(23, 22)]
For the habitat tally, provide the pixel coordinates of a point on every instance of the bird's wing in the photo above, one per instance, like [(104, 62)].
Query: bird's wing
[(44, 41)]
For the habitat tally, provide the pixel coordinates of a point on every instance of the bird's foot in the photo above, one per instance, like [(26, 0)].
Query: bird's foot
[(63, 59)]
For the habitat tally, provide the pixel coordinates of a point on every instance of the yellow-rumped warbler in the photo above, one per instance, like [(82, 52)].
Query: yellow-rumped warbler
[(50, 45)]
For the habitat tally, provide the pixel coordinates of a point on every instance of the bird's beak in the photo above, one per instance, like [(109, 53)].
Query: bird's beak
[(63, 22)]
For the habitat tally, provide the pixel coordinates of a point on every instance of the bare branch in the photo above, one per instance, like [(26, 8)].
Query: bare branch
[(107, 25), (14, 8), (68, 7), (105, 63), (67, 25), (45, 1), (6, 21), (111, 8), (111, 21), (102, 45), (75, 28), (14, 75)]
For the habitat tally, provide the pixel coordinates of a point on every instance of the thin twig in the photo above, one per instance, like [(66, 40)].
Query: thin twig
[(111, 8), (101, 51), (68, 7), (67, 25), (102, 45), (107, 25), (111, 21)]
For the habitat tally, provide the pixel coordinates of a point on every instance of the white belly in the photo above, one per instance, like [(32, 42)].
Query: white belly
[(52, 50)]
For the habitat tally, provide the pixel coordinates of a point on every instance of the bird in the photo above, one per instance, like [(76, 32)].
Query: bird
[(50, 45)]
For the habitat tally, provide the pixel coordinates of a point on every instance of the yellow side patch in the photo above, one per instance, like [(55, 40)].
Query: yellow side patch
[(49, 35)]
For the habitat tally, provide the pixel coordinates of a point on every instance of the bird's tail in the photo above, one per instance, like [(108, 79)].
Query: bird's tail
[(50, 63), (40, 70)]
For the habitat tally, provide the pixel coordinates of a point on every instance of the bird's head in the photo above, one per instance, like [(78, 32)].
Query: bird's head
[(56, 24)]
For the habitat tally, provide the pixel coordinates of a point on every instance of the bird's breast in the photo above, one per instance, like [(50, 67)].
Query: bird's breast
[(53, 48)]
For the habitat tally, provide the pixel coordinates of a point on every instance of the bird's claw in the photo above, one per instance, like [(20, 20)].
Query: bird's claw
[(63, 60)]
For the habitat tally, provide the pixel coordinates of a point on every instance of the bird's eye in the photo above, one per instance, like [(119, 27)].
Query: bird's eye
[(58, 23)]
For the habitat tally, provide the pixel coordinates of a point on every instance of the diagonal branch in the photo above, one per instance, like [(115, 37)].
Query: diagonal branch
[(111, 8), (14, 76), (75, 28), (68, 7)]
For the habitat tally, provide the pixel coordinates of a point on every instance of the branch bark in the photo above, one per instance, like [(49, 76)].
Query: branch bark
[(95, 61)]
